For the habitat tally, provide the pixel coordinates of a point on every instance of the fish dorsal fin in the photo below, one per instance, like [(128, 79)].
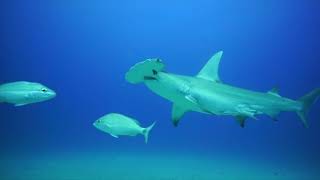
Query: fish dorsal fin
[(274, 91), (211, 70), (137, 122)]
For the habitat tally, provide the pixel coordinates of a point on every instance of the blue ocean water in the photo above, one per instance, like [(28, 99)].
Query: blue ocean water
[(82, 50)]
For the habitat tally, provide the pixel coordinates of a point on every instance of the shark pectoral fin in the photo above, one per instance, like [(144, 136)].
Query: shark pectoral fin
[(211, 70), (115, 136), (241, 120), (177, 113)]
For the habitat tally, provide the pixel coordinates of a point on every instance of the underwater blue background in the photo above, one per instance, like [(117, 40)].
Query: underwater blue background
[(82, 50)]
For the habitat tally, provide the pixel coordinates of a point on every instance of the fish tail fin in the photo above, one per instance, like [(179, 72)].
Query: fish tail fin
[(307, 101), (146, 132)]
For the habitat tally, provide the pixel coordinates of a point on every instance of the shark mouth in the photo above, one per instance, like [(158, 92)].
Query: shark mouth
[(152, 78), (149, 78)]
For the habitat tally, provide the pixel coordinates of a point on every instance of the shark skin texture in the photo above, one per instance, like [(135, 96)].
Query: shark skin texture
[(206, 93)]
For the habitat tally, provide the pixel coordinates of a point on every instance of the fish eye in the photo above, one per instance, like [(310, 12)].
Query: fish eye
[(44, 90)]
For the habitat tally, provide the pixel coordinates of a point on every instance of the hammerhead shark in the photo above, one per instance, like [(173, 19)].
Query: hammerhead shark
[(206, 93)]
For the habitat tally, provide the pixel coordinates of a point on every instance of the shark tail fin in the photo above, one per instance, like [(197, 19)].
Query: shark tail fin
[(146, 132), (1, 98), (307, 102)]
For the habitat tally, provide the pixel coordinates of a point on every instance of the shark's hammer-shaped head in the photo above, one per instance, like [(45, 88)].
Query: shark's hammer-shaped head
[(151, 72), (144, 71)]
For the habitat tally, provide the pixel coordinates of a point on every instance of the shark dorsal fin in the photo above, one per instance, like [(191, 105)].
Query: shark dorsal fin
[(211, 70), (274, 91)]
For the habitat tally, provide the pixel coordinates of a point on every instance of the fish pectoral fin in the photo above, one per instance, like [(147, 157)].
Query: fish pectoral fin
[(115, 136), (241, 120), (177, 113), (22, 104)]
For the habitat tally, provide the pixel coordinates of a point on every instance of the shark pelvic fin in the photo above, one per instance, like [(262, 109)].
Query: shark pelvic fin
[(211, 70), (177, 113), (241, 120)]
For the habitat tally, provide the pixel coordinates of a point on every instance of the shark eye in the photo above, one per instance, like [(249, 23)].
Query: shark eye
[(44, 90)]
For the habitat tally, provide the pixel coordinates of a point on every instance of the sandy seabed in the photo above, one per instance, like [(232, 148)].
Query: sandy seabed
[(155, 166)]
